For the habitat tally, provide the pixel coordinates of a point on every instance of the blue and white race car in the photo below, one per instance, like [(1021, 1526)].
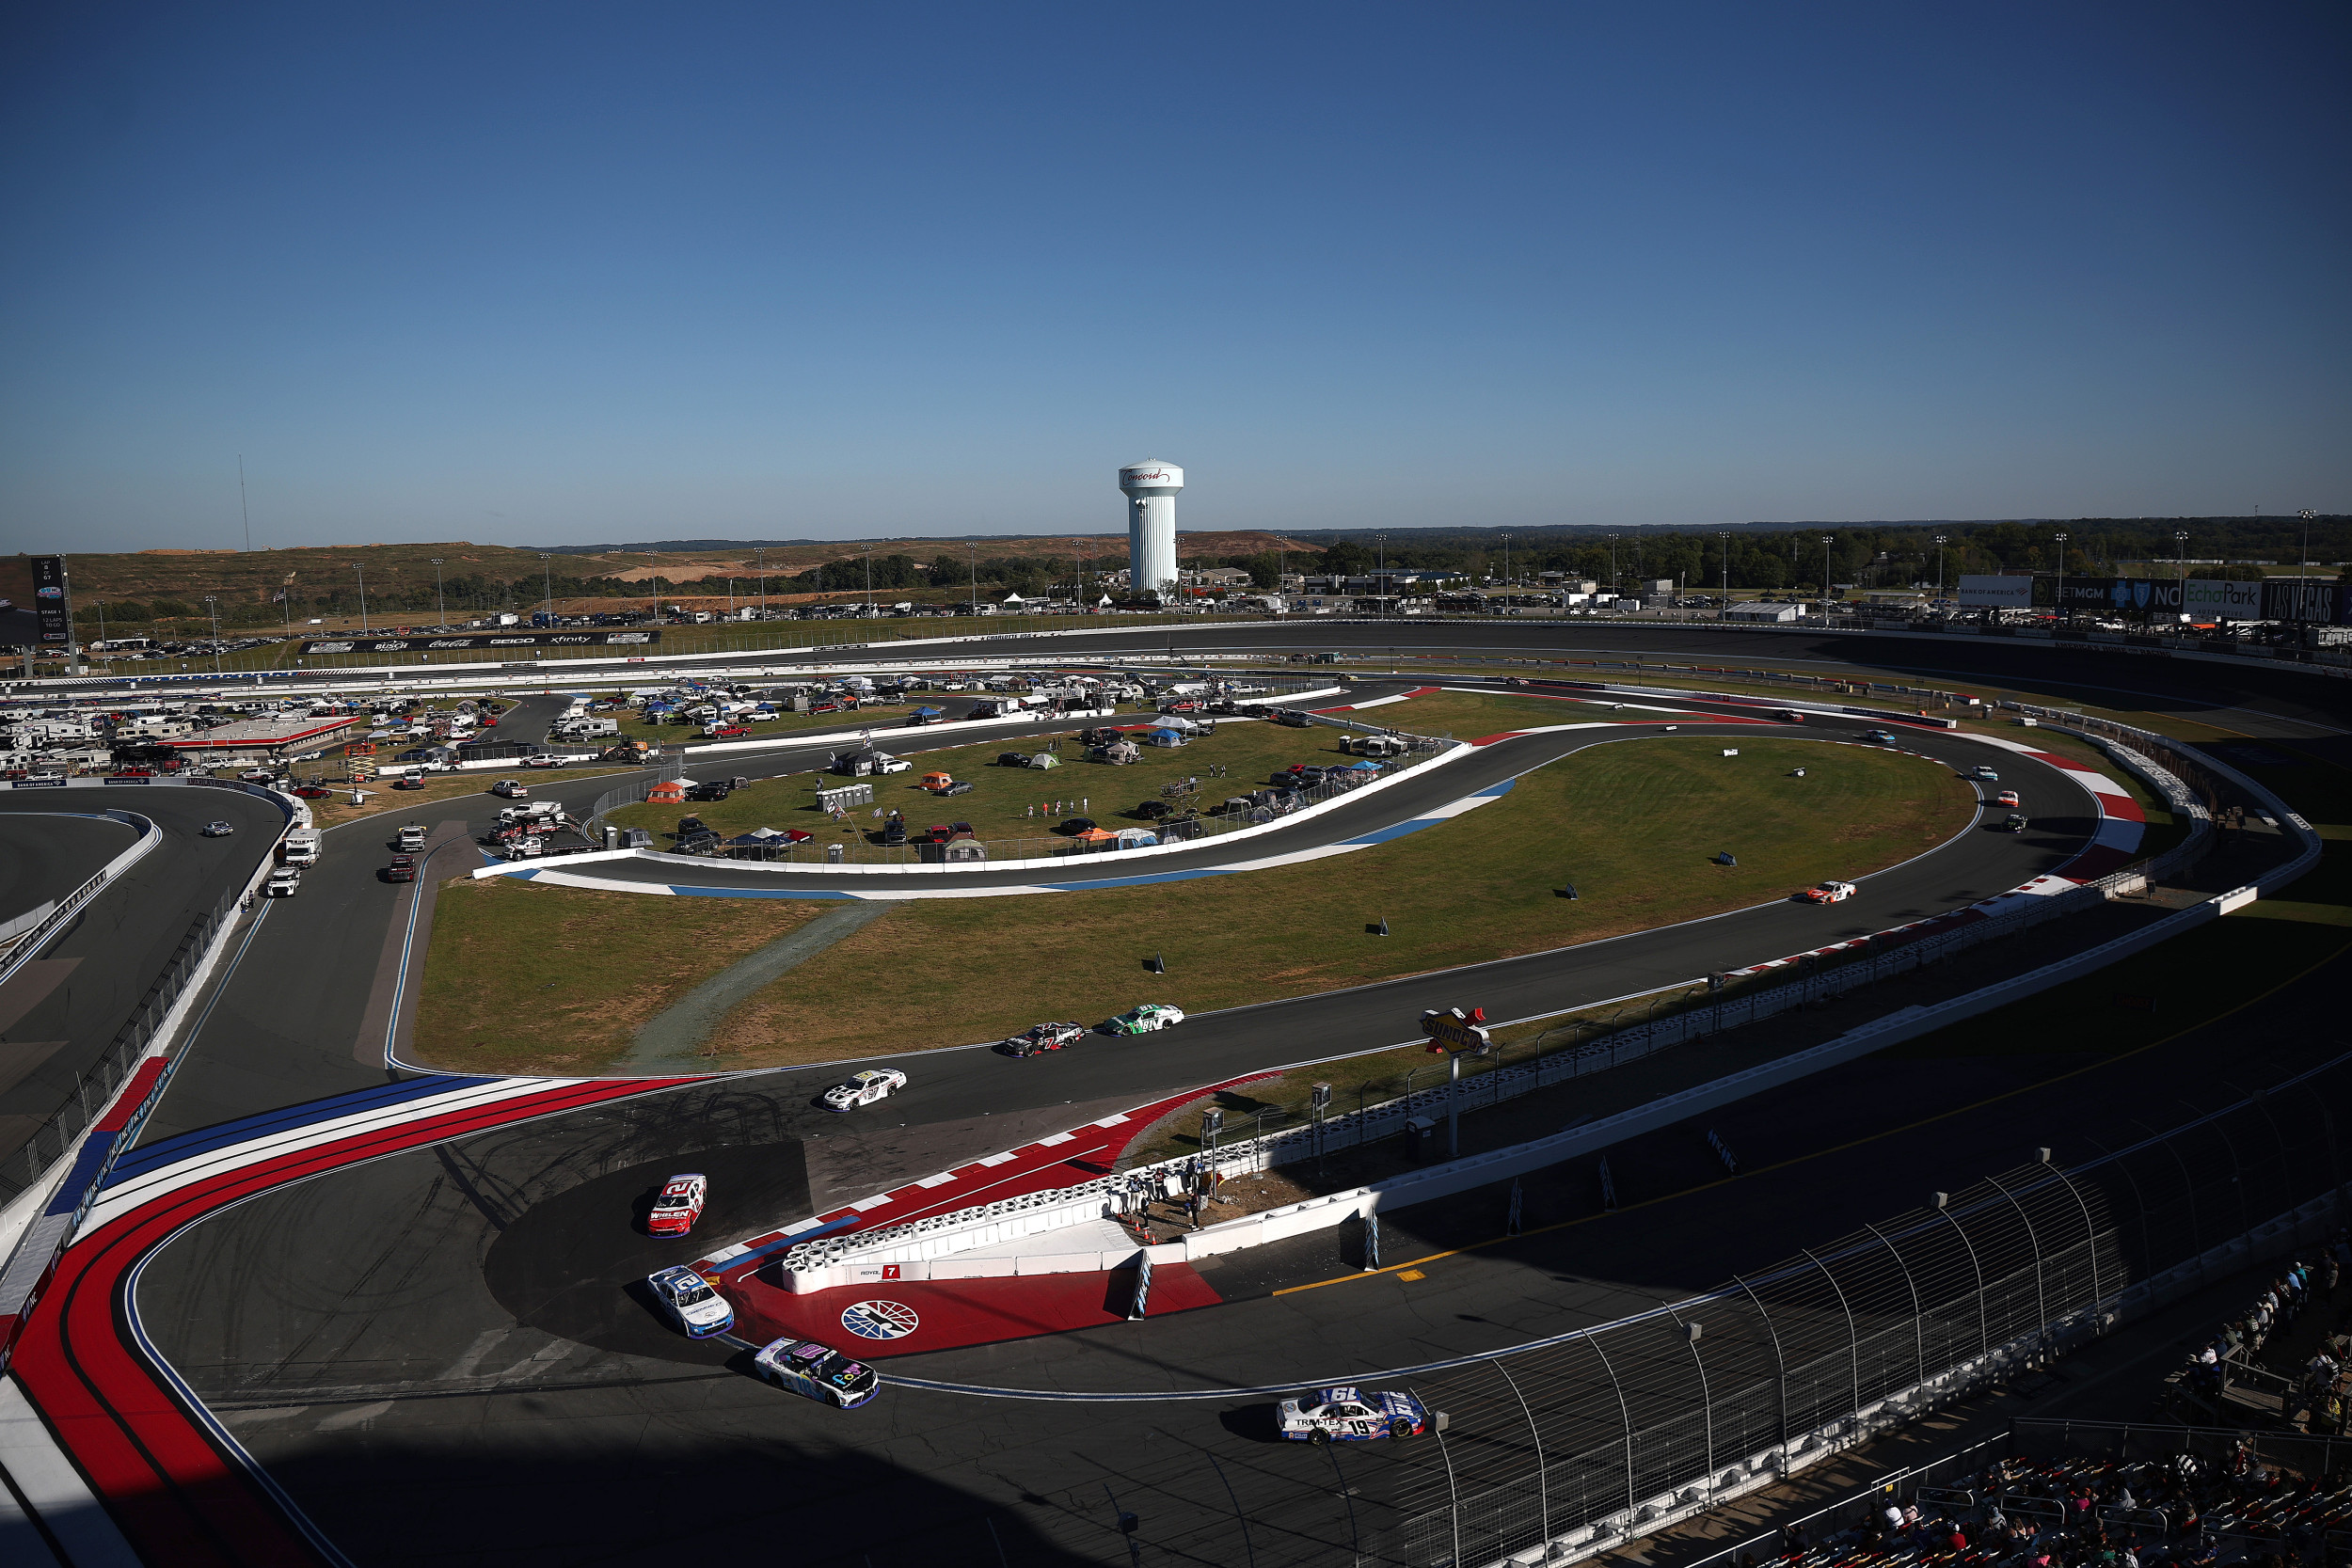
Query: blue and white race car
[(691, 1302), (1350, 1415), (820, 1372)]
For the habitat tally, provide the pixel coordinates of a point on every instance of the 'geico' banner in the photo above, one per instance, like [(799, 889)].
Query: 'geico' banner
[(2212, 600), (1997, 593), (484, 641)]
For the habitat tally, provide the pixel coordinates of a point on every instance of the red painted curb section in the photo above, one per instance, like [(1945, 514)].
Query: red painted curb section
[(950, 1313), (179, 1497)]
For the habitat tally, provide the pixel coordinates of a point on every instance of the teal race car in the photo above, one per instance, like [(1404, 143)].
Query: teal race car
[(1144, 1019)]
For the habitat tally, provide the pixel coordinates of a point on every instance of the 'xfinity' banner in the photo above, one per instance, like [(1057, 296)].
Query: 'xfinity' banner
[(484, 641)]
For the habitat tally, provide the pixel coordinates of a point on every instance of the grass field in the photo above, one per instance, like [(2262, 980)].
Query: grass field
[(1633, 824), (1005, 802)]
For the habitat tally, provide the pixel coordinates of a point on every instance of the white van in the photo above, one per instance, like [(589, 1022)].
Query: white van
[(300, 847)]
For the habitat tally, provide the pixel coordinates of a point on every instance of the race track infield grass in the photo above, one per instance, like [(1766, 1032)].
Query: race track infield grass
[(1247, 750), (1633, 824), (587, 969), (384, 800)]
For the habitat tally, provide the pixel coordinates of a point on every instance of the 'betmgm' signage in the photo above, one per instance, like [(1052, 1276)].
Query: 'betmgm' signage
[(52, 604), (2121, 595), (483, 641)]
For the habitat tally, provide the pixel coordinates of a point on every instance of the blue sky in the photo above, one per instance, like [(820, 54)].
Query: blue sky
[(570, 273)]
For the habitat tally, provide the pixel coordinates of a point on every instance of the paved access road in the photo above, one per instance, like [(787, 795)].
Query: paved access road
[(375, 1337)]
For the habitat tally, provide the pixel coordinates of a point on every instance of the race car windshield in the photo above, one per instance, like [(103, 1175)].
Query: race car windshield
[(668, 1202), (691, 1294)]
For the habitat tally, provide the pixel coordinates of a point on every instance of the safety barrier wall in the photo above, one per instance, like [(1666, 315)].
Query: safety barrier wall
[(145, 835)]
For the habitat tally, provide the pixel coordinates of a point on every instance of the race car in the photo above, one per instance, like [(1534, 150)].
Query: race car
[(1351, 1416), (2006, 798), (1045, 1037), (217, 830), (687, 1297), (2013, 824), (677, 1206), (820, 1372), (1828, 892), (1877, 738), (284, 882), (873, 1084), (1144, 1018), (403, 870), (1984, 775), (509, 789)]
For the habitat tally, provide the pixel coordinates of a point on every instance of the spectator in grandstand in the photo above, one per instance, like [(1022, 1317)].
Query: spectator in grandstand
[(2330, 1270)]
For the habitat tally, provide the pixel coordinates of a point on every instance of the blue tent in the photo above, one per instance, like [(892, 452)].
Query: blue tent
[(1168, 738), (1361, 767), (929, 712)]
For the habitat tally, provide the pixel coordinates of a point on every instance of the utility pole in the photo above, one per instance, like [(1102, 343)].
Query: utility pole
[(440, 596)]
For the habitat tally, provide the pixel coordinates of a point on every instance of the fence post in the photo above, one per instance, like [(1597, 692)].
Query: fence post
[(1853, 1337), (2040, 1302), (1625, 1416), (1543, 1472), (2090, 1232), (1919, 1322), (1780, 1366)]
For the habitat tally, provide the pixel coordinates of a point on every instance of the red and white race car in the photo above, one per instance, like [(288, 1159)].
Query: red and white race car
[(2006, 798), (1828, 892), (679, 1205)]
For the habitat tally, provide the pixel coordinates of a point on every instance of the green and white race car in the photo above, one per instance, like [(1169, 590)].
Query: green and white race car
[(1144, 1018)]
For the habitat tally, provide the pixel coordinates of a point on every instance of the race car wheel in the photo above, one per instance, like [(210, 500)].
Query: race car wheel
[(1319, 1438), (1400, 1429)]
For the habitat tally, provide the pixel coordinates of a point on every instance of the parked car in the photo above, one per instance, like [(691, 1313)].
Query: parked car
[(715, 790), (1043, 1036), (957, 788), (691, 1304), (867, 1088), (312, 792), (1828, 892), (1012, 759), (1350, 1415), (679, 1205), (725, 731), (817, 1371), (1076, 824), (217, 830), (1153, 810), (410, 780), (1144, 1019)]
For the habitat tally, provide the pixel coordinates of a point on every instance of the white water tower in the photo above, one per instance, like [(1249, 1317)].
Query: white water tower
[(1151, 489)]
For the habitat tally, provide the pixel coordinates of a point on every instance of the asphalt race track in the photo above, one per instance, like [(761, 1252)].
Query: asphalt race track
[(453, 1326)]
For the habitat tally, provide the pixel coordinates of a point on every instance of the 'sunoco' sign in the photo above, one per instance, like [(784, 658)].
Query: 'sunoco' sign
[(1452, 1029)]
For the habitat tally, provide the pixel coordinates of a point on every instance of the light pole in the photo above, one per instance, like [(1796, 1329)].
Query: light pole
[(546, 586), (2180, 556), (440, 599), (1382, 540), (869, 578), (1613, 571), (1507, 561), (363, 596), (212, 604), (1724, 540), (730, 598), (2061, 580), (2307, 515), (760, 558), (1939, 565), (973, 546), (1825, 544)]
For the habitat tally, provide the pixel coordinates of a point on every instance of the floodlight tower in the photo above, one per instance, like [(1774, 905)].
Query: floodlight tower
[(1151, 488)]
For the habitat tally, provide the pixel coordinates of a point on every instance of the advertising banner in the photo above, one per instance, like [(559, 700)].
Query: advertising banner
[(2299, 599), (488, 641), (2212, 600), (1997, 593), (52, 603), (1455, 1030), (2121, 595)]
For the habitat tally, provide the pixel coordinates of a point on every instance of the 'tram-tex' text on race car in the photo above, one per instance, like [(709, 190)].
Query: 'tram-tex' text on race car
[(1350, 1415), (691, 1302), (865, 1089), (820, 1372), (677, 1206)]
